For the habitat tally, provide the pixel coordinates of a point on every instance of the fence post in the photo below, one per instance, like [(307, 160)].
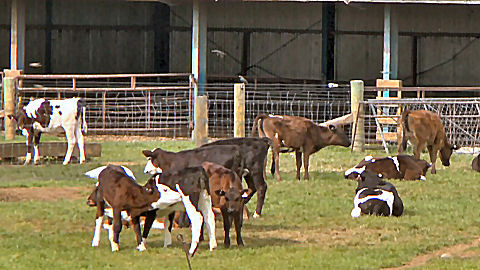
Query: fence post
[(200, 131), (357, 89), (239, 110), (9, 106)]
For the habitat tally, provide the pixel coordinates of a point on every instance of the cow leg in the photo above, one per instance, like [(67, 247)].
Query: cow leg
[(261, 187), (205, 206), (98, 224), (432, 151), (227, 223), (150, 217), (137, 230), (306, 160), (36, 143), (298, 159), (80, 142), (70, 134), (28, 156), (168, 230), (117, 228), (238, 228), (109, 226), (418, 149), (196, 220)]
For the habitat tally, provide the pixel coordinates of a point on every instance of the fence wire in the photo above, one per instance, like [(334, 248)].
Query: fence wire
[(460, 117)]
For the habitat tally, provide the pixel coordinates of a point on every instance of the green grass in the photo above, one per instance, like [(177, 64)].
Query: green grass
[(305, 225)]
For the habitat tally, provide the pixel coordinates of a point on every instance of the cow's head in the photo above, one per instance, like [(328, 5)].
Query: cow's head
[(354, 172), (153, 165), (233, 199), (446, 152), (166, 196), (368, 179), (336, 136)]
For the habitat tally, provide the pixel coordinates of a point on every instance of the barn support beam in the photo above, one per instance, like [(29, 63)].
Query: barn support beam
[(48, 36), (17, 35), (390, 46), (328, 41), (199, 69)]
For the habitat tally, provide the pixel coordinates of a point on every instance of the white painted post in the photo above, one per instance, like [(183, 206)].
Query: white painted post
[(239, 110), (358, 131)]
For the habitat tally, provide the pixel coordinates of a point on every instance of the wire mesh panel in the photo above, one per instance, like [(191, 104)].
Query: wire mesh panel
[(460, 117), (316, 102), (154, 105)]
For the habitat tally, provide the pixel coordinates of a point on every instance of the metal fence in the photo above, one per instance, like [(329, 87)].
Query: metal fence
[(460, 117), (146, 104), (317, 102)]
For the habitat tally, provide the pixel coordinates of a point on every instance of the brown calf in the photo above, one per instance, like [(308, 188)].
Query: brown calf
[(299, 134), (424, 128), (396, 167), (227, 194)]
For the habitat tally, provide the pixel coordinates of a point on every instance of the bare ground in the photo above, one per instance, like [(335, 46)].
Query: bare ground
[(43, 193)]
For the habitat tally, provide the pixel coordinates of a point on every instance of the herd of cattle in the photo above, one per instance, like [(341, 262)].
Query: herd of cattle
[(209, 177)]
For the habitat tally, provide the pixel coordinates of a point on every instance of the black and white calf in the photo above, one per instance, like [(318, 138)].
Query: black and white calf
[(375, 196), (46, 116)]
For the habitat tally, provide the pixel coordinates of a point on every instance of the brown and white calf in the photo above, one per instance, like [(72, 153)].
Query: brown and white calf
[(298, 134), (121, 192), (47, 116), (396, 167), (424, 128), (375, 196), (227, 194)]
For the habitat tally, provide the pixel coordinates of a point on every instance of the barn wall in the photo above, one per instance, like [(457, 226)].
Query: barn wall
[(87, 36), (357, 56)]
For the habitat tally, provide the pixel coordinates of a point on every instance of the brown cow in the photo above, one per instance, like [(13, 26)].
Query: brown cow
[(424, 128), (396, 167), (299, 134), (227, 194)]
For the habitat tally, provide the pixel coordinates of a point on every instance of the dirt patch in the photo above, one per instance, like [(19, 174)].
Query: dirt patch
[(43, 193), (457, 251)]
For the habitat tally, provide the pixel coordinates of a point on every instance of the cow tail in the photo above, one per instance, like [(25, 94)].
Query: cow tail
[(404, 129), (82, 116), (259, 117), (205, 181)]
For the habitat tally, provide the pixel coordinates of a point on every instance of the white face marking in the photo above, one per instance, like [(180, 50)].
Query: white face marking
[(368, 158), (354, 169), (150, 168), (167, 198)]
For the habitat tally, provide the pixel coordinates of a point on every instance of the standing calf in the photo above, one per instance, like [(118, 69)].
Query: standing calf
[(228, 195), (424, 128)]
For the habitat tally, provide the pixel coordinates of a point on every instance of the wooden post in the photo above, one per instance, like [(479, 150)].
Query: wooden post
[(200, 133), (239, 110), (357, 88), (9, 106)]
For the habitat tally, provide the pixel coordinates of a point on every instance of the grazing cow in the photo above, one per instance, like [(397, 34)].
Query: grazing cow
[(424, 128), (397, 167), (254, 153), (193, 185), (298, 134), (120, 191), (41, 115), (227, 194), (476, 163), (375, 196)]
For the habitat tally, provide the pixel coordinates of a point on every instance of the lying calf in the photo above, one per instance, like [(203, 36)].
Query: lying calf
[(118, 189), (375, 196), (227, 194), (397, 167), (193, 185)]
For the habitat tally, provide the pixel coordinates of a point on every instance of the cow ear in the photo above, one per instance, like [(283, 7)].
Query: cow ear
[(220, 192), (147, 153), (332, 127)]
